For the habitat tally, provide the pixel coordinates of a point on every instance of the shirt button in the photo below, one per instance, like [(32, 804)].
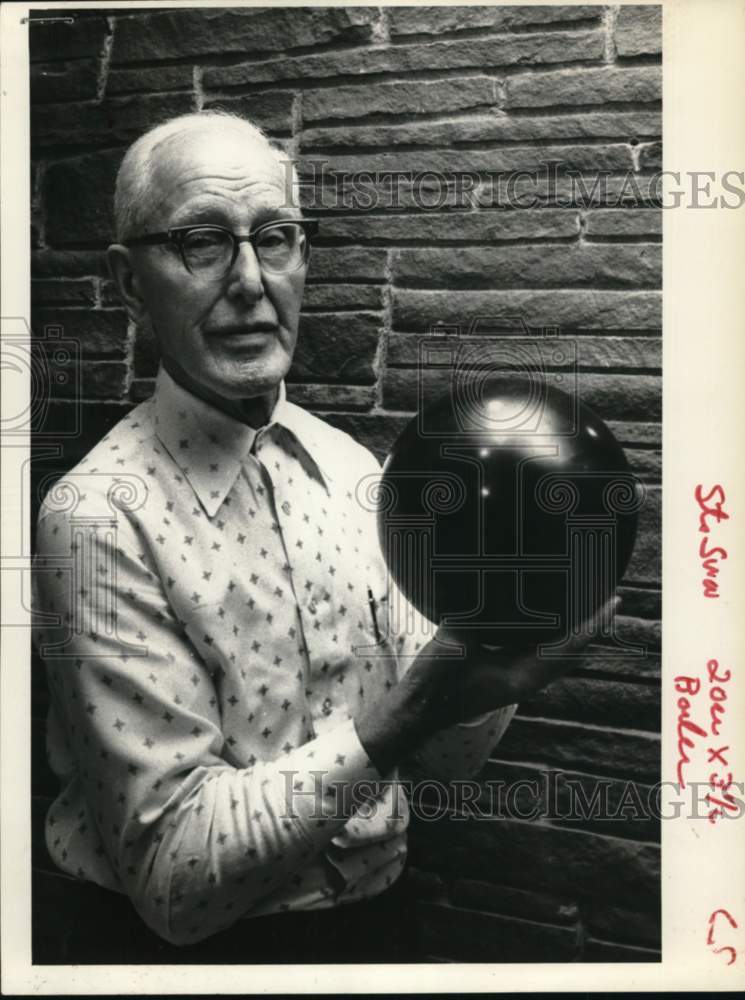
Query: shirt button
[(312, 607), (286, 507)]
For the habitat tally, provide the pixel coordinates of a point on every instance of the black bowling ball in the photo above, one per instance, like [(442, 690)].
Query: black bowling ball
[(508, 506)]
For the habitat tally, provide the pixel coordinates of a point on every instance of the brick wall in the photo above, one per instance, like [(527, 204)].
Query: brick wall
[(475, 89)]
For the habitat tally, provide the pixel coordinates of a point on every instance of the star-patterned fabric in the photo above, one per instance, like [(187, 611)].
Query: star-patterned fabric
[(203, 593)]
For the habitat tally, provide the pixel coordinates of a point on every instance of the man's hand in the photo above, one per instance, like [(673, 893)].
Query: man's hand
[(440, 690)]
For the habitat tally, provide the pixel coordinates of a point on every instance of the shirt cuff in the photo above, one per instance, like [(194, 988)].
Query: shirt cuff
[(327, 779), (478, 720)]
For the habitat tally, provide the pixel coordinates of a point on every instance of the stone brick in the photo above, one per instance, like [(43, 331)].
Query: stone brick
[(64, 81), (82, 424), (506, 50), (270, 110), (63, 291), (639, 31), (645, 565), (149, 79), (599, 702), (141, 389), (415, 310), (474, 894), (639, 631), (426, 886), (590, 352), (641, 603), (453, 227), (646, 464), (98, 380), (650, 157), (60, 40), (631, 433), (332, 397), (584, 865), (146, 354), (376, 432), (78, 196), (437, 20), (470, 936), (608, 951), (99, 332), (606, 659), (118, 120), (611, 157), (620, 222), (583, 189), (201, 31), (623, 126), (611, 752), (585, 87), (332, 264), (615, 266), (331, 298), (338, 347), (337, 193), (614, 923), (49, 263), (569, 799), (400, 98)]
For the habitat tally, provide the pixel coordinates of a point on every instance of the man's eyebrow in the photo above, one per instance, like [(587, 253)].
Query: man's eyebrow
[(198, 214), (212, 215)]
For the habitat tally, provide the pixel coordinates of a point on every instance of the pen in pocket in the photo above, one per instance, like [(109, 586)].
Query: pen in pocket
[(373, 613)]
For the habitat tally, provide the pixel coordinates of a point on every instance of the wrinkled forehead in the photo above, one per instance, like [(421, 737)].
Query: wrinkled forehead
[(227, 158)]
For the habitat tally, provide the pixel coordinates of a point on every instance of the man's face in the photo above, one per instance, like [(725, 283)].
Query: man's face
[(234, 338)]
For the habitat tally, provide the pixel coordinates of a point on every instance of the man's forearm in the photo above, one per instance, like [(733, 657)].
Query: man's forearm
[(237, 836)]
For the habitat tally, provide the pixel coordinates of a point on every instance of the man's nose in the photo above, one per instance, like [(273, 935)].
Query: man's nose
[(245, 276)]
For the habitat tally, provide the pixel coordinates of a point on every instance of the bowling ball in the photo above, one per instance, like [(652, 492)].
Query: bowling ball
[(507, 506)]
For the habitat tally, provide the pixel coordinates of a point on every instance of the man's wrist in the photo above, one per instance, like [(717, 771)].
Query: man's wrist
[(391, 728)]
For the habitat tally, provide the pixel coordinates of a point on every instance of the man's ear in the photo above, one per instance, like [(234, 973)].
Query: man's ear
[(124, 276)]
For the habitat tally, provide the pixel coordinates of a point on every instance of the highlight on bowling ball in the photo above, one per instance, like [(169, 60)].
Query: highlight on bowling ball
[(508, 507)]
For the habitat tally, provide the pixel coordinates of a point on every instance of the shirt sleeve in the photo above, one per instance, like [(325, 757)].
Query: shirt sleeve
[(193, 841)]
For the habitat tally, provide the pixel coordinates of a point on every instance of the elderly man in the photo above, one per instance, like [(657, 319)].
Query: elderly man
[(226, 699)]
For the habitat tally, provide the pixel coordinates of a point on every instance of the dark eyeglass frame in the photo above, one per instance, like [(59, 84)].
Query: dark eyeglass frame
[(177, 236)]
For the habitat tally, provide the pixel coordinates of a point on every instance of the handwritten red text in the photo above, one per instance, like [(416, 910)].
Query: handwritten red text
[(720, 916), (711, 506)]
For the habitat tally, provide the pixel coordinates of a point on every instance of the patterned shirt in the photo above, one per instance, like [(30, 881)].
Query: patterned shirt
[(209, 636)]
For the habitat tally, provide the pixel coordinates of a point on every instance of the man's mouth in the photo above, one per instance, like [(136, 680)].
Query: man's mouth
[(244, 330)]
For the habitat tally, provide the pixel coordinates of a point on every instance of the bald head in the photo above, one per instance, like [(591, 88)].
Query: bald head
[(137, 188)]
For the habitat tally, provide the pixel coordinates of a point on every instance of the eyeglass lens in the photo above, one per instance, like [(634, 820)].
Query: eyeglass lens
[(278, 248)]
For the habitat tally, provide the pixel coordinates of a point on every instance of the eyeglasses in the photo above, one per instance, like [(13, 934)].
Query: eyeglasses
[(211, 251)]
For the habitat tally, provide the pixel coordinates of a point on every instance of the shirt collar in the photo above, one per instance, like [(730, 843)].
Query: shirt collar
[(210, 447)]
